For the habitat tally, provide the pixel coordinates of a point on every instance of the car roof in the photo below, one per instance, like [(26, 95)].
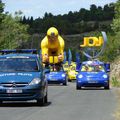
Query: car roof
[(19, 55)]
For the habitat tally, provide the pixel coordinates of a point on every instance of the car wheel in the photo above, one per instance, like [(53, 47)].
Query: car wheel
[(69, 80), (107, 87), (46, 98), (1, 101), (78, 87), (41, 101), (65, 83)]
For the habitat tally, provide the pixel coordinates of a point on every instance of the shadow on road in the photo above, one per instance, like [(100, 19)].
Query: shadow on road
[(93, 88), (22, 104), (56, 84)]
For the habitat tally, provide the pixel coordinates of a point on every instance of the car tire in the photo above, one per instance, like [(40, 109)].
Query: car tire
[(78, 87), (42, 101), (1, 101), (65, 83), (69, 80), (107, 87), (46, 98)]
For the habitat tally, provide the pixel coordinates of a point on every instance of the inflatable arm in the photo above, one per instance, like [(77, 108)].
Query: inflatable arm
[(44, 50), (61, 49)]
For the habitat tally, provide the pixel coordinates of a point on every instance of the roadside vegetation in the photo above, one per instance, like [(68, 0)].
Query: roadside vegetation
[(12, 32), (22, 32)]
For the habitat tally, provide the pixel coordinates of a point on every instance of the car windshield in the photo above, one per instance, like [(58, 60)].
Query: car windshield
[(92, 68), (56, 69), (65, 67), (72, 68), (18, 65)]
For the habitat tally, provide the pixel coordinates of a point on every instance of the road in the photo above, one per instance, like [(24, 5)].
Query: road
[(65, 103)]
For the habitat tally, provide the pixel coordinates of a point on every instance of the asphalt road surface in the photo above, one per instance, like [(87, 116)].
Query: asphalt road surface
[(65, 103)]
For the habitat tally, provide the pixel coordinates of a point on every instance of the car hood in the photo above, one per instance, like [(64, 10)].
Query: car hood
[(92, 74), (55, 73), (19, 77)]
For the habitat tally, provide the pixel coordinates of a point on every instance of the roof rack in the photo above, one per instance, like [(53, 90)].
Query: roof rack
[(8, 51)]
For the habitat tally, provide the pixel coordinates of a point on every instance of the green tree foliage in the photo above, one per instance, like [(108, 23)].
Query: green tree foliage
[(74, 22), (113, 46), (1, 11), (116, 20), (12, 32)]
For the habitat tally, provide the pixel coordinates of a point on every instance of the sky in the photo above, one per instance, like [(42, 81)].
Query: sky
[(37, 8)]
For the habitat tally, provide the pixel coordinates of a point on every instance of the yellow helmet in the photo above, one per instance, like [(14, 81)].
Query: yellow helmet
[(52, 31)]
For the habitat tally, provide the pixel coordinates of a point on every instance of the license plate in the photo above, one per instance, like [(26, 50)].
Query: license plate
[(52, 80), (92, 81), (14, 91)]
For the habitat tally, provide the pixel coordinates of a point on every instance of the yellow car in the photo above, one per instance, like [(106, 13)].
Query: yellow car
[(66, 67), (72, 73)]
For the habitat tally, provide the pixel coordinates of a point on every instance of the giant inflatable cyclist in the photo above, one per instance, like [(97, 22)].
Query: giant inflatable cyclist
[(52, 45)]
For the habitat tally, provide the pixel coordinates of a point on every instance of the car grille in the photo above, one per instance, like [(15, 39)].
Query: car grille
[(14, 84), (16, 94), (55, 77)]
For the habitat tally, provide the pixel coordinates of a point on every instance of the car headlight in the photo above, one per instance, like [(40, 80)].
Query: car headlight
[(105, 76), (63, 75), (35, 81), (80, 76)]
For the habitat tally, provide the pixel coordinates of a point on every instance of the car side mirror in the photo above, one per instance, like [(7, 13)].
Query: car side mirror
[(107, 66), (77, 70)]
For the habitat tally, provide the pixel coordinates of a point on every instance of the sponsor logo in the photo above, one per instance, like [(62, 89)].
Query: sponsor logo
[(92, 42)]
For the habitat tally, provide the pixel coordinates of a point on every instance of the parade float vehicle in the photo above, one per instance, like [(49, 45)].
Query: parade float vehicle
[(66, 66), (54, 57), (22, 76), (72, 72), (93, 73)]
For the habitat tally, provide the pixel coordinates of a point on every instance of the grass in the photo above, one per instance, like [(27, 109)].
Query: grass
[(115, 82)]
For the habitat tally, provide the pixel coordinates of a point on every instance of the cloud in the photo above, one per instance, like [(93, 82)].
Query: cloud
[(27, 11)]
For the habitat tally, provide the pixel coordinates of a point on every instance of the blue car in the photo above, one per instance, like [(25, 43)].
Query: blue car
[(57, 75), (22, 77), (92, 74)]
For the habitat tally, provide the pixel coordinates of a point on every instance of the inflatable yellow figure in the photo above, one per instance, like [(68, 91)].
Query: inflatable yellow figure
[(52, 45)]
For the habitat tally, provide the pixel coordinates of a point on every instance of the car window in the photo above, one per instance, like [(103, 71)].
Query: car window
[(72, 68), (18, 64), (56, 69)]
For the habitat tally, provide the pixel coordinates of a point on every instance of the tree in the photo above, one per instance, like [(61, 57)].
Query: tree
[(93, 10), (113, 46), (24, 20), (1, 10), (116, 20), (12, 33)]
